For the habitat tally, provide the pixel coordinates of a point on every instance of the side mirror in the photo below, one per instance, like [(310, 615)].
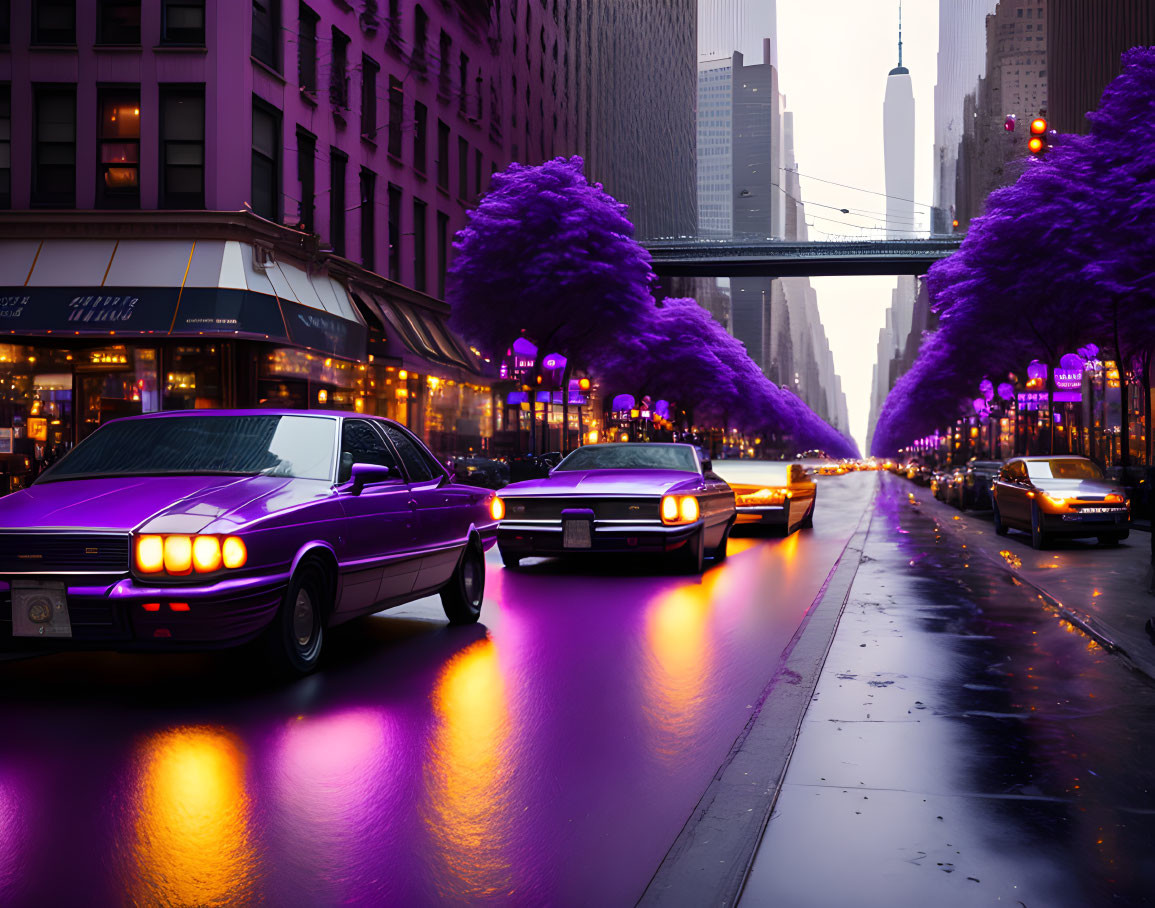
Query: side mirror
[(707, 466), (366, 473)]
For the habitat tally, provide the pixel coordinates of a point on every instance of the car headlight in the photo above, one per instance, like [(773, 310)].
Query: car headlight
[(677, 509), (1058, 500), (178, 554), (497, 508)]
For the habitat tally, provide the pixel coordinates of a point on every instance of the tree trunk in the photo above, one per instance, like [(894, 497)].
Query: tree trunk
[(1124, 408)]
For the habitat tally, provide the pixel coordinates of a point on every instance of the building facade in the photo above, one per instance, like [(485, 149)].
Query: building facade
[(226, 204)]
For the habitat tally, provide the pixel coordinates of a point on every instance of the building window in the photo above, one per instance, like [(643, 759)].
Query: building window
[(477, 168), (369, 70), (338, 161), (443, 155), (442, 251), (394, 232), (420, 39), (462, 167), (420, 137), (183, 22), (266, 33), (393, 40), (5, 22), (420, 265), (339, 71), (5, 146), (118, 173), (462, 74), (307, 177), (54, 167), (368, 211), (307, 49), (396, 111), (182, 147), (266, 160), (119, 22), (54, 22), (446, 51)]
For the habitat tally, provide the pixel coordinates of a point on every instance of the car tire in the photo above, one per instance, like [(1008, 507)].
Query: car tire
[(808, 520), (719, 554), (461, 597), (509, 559), (1001, 528), (1038, 537), (292, 642), (692, 556)]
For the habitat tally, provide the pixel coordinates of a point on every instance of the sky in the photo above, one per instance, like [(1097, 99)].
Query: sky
[(834, 56)]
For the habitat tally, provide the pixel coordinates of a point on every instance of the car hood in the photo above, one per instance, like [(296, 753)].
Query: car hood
[(169, 504), (603, 482), (1082, 488)]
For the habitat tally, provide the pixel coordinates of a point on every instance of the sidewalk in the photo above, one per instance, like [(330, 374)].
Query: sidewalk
[(966, 744)]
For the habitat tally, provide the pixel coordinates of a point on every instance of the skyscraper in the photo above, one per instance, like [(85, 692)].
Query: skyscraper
[(898, 147), (726, 26)]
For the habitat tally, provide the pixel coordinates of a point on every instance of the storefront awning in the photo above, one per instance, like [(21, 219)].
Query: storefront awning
[(178, 288), (423, 334)]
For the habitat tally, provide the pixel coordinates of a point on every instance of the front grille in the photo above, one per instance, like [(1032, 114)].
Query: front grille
[(603, 508), (24, 553)]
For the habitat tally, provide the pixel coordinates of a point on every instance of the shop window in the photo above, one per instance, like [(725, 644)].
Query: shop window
[(5, 146), (442, 251), (307, 49), (394, 232), (369, 70), (420, 137), (368, 209), (54, 22), (337, 164), (118, 173), (118, 22), (193, 377), (182, 146), (54, 167), (307, 177), (396, 112), (266, 195), (420, 265), (443, 155), (266, 33), (183, 22)]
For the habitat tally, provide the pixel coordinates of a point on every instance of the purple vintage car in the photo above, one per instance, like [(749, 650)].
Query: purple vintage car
[(628, 497), (211, 528)]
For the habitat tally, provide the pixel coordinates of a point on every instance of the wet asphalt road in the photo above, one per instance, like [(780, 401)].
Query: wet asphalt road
[(549, 755), (965, 745)]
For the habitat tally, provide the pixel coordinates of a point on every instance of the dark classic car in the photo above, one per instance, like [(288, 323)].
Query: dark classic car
[(977, 482), (620, 497), (770, 493), (207, 529), (1059, 496)]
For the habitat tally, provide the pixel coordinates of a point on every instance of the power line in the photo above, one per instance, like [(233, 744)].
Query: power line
[(859, 189)]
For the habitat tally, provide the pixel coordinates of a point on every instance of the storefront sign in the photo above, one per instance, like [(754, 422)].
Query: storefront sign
[(1033, 400), (1068, 379), (1067, 397)]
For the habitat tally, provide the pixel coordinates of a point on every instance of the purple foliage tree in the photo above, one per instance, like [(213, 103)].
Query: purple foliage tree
[(548, 255)]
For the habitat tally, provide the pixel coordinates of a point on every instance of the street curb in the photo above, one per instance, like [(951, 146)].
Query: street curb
[(709, 861)]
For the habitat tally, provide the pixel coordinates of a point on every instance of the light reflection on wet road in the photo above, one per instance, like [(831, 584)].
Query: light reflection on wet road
[(550, 755)]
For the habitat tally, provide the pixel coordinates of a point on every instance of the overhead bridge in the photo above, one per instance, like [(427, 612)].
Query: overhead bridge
[(779, 258)]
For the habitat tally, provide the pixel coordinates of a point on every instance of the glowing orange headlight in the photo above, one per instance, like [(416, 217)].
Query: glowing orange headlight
[(206, 554), (233, 552), (150, 554), (677, 509), (177, 554), (180, 554)]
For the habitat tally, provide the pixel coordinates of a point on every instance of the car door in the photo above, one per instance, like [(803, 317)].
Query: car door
[(1014, 506), (716, 503), (379, 559), (441, 528)]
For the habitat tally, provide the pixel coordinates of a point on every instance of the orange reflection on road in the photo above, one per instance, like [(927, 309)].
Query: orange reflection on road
[(468, 776), (192, 844)]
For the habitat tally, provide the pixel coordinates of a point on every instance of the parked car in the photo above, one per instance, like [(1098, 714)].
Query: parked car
[(938, 484), (771, 493), (653, 498), (480, 471), (977, 482), (206, 529), (1062, 495), (953, 487)]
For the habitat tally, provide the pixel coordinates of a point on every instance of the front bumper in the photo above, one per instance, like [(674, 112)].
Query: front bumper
[(109, 613), (547, 538)]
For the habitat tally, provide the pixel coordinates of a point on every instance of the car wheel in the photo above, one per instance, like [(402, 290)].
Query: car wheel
[(808, 520), (692, 556), (461, 596), (508, 559), (1000, 527), (292, 643), (1038, 538), (719, 554)]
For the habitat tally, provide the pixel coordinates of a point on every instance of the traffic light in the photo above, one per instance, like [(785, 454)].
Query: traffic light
[(1038, 143)]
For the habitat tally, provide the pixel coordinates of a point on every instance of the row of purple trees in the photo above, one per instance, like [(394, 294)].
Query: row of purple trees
[(550, 257), (1062, 258)]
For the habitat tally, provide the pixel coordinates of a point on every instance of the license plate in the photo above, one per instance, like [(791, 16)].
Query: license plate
[(40, 609), (1098, 510), (575, 534)]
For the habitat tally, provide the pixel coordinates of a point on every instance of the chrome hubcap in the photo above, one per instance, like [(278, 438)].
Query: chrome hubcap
[(303, 618)]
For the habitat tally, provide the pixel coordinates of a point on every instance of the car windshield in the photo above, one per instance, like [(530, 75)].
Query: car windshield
[(1063, 469), (294, 446), (632, 457)]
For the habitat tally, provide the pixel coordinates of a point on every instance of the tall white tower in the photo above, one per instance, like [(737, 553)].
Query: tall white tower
[(898, 146)]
